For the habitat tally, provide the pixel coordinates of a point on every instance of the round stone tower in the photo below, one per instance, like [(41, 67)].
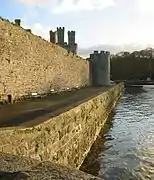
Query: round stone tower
[(99, 68)]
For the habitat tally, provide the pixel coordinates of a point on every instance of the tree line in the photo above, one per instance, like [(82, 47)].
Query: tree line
[(138, 65)]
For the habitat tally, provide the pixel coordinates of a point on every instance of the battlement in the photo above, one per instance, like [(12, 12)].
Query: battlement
[(17, 22), (102, 52), (105, 52), (71, 33), (61, 29), (99, 55), (96, 52)]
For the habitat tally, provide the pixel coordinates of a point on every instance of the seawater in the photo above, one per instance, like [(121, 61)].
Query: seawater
[(125, 147)]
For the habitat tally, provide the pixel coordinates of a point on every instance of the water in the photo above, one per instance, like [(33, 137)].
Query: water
[(125, 148)]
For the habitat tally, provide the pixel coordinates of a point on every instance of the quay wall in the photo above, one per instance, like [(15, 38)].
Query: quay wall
[(30, 64), (67, 138)]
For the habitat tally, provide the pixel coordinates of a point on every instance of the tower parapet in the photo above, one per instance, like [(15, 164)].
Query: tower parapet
[(96, 52), (99, 67), (17, 22)]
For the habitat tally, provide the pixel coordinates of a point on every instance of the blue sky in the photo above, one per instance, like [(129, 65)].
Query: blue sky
[(96, 22)]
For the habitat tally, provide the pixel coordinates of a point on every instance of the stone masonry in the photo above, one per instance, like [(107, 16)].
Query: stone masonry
[(31, 64), (67, 138)]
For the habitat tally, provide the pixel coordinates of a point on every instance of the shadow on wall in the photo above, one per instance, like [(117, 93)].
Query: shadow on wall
[(13, 175), (91, 163)]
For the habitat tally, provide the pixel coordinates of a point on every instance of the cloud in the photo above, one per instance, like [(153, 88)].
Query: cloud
[(32, 17), (64, 6), (30, 1), (82, 5), (56, 7), (34, 1), (145, 6), (38, 29), (84, 52)]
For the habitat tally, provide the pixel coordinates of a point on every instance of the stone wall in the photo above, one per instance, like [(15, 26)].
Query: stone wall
[(30, 64), (66, 138)]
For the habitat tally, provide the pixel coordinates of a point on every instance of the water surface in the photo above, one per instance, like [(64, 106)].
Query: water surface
[(125, 148)]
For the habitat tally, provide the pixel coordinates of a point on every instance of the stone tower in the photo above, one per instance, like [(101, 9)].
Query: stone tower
[(53, 37), (61, 34), (57, 37), (99, 68), (72, 46), (92, 68), (71, 38)]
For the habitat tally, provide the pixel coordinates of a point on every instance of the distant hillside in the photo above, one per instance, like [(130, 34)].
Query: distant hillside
[(145, 53), (84, 52)]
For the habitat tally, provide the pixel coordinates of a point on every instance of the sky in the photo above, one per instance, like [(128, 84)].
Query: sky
[(96, 22)]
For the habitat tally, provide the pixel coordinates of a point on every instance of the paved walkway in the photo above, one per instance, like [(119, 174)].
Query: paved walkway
[(30, 113)]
